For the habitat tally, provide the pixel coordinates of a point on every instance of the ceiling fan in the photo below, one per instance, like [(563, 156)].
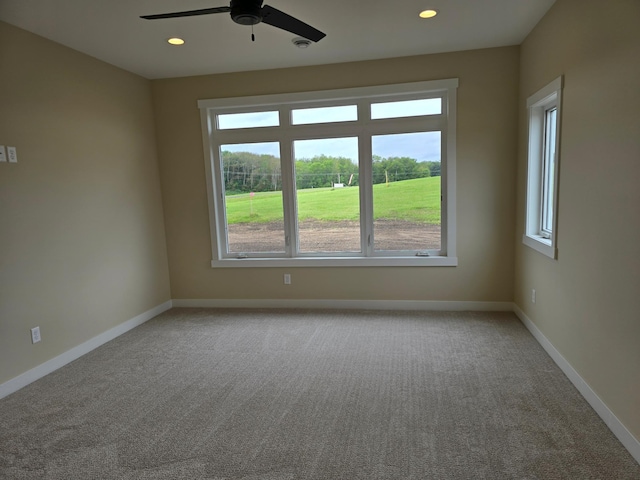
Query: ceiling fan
[(251, 12)]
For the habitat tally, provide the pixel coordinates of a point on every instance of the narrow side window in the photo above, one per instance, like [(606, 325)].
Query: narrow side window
[(542, 169)]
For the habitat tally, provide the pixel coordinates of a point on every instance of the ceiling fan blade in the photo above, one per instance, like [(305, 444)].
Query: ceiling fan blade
[(276, 18), (188, 13)]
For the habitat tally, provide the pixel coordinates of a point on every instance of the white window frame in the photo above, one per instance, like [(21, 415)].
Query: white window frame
[(364, 128), (539, 104)]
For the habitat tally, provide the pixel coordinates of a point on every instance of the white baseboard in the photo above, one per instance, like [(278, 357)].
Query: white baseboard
[(619, 430), (61, 360), (347, 304)]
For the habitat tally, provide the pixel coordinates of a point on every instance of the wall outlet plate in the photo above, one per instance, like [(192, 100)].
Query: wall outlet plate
[(3, 155), (12, 154), (35, 335)]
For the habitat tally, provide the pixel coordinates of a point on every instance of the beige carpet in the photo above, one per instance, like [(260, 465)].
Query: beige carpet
[(286, 395)]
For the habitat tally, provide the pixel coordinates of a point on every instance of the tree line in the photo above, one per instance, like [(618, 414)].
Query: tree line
[(246, 172)]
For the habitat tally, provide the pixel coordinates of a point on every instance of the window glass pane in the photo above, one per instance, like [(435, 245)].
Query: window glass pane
[(406, 191), (253, 197), (406, 108), (248, 120), (305, 116), (549, 170), (327, 195)]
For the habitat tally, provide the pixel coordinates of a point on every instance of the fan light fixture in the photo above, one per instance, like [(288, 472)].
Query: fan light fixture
[(428, 13), (301, 42), (175, 41), (251, 12)]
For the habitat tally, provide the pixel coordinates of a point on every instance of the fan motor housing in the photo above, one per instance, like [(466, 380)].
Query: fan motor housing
[(246, 12)]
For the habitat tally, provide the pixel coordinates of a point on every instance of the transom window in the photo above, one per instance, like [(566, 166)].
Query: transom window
[(344, 177)]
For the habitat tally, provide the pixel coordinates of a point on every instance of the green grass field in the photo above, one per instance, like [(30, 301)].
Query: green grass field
[(415, 200)]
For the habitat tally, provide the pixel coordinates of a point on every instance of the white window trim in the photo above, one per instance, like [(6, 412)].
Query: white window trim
[(537, 104), (285, 102)]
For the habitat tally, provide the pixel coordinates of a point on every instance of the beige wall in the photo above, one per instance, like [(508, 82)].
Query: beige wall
[(82, 235), (82, 245), (588, 301), (487, 148)]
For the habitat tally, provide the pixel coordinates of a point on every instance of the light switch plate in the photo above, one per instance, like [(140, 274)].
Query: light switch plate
[(12, 154), (3, 155)]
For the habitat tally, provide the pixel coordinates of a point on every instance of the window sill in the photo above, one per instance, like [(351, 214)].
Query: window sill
[(541, 245), (435, 261)]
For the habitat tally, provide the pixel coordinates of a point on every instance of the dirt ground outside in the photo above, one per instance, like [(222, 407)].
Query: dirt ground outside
[(316, 236)]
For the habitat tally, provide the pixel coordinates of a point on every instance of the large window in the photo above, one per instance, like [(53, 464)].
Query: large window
[(542, 169), (351, 177)]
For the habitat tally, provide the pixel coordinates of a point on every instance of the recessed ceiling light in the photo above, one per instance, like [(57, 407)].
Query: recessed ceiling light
[(428, 13), (176, 41)]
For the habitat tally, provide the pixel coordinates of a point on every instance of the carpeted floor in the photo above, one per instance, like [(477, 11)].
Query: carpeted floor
[(286, 395)]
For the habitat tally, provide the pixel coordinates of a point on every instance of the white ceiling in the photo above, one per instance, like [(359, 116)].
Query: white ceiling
[(112, 31)]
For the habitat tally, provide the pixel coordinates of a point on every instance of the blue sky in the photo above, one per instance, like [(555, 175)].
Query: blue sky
[(423, 146)]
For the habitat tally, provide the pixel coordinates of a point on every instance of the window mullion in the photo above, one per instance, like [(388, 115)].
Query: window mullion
[(288, 183), (444, 195), (448, 176), (288, 195), (219, 201), (366, 179)]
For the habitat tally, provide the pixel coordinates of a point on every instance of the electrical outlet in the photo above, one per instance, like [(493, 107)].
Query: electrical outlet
[(533, 295), (287, 279), (35, 335), (3, 155), (12, 154)]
